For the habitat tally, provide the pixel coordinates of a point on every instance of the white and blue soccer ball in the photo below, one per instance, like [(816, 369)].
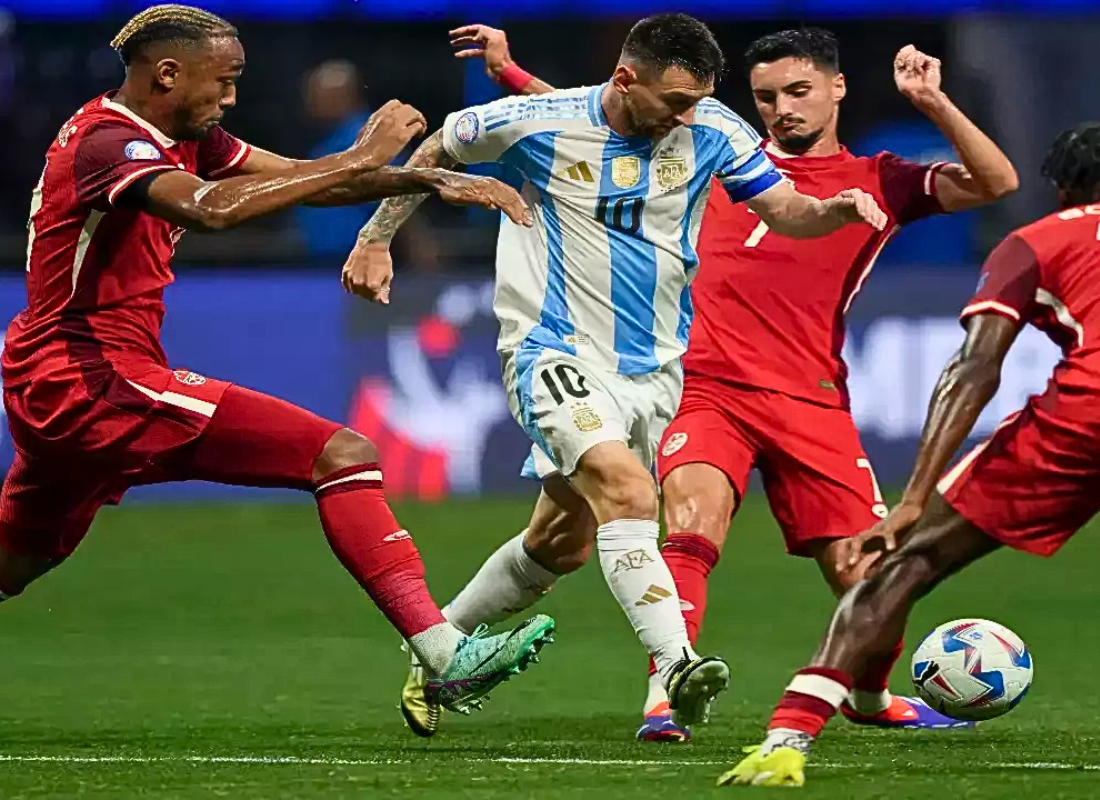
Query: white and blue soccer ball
[(972, 669)]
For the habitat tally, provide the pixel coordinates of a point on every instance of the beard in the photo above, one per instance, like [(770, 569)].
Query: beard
[(799, 143)]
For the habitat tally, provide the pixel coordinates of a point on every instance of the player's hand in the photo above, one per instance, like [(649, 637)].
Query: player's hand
[(868, 548), (481, 41), (856, 205), (917, 75), (469, 190), (368, 272), (388, 130)]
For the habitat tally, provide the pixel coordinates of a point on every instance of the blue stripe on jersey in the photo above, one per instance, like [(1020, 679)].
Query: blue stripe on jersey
[(595, 107), (633, 259), (534, 157), (532, 107), (706, 142), (580, 113), (709, 106), (747, 171), (529, 353)]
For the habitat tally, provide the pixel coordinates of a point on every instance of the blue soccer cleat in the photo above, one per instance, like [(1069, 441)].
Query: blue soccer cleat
[(659, 727), (906, 712)]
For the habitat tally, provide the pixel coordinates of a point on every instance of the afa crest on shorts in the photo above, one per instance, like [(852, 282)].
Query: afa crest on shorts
[(467, 128)]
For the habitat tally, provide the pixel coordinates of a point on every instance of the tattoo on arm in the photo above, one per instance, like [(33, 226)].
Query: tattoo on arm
[(394, 211)]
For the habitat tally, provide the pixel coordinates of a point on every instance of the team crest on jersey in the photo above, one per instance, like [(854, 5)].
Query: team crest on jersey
[(467, 128), (626, 171), (188, 378), (585, 418), (139, 150), (674, 444), (671, 171)]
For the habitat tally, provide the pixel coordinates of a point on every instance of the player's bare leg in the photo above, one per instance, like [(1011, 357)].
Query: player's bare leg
[(558, 541), (699, 503), (870, 702), (623, 498), (868, 622)]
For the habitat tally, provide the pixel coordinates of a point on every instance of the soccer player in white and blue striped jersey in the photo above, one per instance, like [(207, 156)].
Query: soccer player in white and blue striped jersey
[(594, 309)]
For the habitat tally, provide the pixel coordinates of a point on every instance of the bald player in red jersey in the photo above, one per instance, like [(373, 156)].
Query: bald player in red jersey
[(765, 384), (92, 405), (1032, 485)]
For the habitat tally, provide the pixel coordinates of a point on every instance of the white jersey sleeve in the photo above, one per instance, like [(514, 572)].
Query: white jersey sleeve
[(485, 133), (742, 166)]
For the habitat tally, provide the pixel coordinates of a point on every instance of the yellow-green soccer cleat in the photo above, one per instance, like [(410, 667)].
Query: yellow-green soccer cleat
[(421, 715), (783, 766)]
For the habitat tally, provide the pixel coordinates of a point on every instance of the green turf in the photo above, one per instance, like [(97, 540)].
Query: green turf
[(230, 631)]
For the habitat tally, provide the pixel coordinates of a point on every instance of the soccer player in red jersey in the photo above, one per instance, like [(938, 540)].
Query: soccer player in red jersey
[(764, 378), (92, 405), (1030, 486)]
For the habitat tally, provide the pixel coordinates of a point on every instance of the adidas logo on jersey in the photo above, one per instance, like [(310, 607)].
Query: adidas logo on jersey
[(577, 172)]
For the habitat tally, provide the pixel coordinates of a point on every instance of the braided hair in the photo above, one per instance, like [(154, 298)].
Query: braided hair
[(168, 23), (1073, 164)]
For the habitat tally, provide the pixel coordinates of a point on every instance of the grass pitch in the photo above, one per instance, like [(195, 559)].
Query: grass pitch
[(220, 651)]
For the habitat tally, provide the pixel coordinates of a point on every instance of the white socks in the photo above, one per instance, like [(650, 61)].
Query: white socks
[(435, 647), (869, 703), (656, 695), (509, 582), (641, 582)]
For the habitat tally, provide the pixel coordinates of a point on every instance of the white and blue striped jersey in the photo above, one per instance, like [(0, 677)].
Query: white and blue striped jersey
[(604, 273)]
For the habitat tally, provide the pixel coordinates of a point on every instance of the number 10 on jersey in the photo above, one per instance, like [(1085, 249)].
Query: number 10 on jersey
[(623, 214)]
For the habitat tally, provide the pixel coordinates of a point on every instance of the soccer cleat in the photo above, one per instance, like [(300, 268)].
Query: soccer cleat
[(692, 687), (421, 715), (906, 712), (783, 766), (659, 727), (483, 662)]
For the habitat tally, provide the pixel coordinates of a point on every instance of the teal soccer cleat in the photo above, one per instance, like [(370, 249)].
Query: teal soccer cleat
[(483, 662)]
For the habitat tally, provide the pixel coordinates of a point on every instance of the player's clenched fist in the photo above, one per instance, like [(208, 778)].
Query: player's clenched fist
[(467, 190), (916, 74), (388, 130), (856, 205), (368, 272)]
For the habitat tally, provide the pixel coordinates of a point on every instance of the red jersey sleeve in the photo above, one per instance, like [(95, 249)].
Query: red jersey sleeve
[(1009, 280), (109, 157), (221, 154), (909, 188)]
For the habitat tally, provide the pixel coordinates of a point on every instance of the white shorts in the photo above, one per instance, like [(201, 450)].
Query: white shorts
[(568, 406)]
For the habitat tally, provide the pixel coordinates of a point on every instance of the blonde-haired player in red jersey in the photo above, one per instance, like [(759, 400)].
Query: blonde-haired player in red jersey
[(1031, 486), (764, 379), (92, 405)]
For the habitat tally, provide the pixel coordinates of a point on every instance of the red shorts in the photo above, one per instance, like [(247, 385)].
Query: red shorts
[(80, 444), (1036, 481), (817, 478)]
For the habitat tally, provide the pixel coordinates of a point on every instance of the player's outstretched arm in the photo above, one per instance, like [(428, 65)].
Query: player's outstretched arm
[(192, 203), (985, 174), (491, 45), (790, 213)]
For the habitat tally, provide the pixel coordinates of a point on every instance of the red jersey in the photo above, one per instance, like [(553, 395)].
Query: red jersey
[(769, 310), (1047, 274), (96, 271)]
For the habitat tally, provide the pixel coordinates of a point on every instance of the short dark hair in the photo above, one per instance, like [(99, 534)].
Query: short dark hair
[(1073, 163), (816, 44), (675, 40), (168, 23)]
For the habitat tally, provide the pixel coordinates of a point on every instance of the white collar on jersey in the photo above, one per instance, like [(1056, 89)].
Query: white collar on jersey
[(160, 138)]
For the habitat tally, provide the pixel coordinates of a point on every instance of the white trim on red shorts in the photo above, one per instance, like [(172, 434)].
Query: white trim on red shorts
[(203, 407), (952, 476)]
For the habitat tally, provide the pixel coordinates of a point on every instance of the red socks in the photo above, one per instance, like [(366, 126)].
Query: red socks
[(372, 546), (811, 700)]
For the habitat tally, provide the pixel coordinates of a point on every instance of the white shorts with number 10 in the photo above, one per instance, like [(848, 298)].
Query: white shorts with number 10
[(568, 406)]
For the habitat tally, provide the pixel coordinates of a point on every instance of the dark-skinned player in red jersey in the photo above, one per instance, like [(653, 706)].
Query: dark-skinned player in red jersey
[(1032, 485), (92, 405), (764, 379)]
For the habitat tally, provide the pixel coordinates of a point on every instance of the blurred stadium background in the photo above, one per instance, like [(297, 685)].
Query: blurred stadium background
[(262, 305)]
